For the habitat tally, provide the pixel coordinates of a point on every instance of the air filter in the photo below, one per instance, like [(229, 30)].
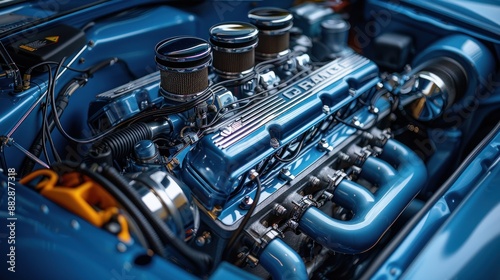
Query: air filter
[(233, 46), (274, 25), (183, 63)]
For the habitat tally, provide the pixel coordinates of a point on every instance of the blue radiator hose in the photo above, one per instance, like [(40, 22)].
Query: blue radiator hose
[(282, 262), (373, 213)]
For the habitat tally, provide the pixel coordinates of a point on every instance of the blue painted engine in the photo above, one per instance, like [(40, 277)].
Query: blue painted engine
[(212, 139)]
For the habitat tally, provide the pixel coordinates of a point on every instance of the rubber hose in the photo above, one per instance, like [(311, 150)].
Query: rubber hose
[(248, 215), (122, 142), (201, 260)]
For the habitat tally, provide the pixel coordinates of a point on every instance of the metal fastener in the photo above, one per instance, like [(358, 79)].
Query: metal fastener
[(286, 175), (275, 143), (121, 247), (246, 202), (323, 146), (253, 174), (279, 210), (44, 208), (75, 224), (314, 181), (326, 109)]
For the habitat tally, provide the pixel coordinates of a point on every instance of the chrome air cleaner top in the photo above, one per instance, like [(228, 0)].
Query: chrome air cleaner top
[(183, 63), (233, 46), (274, 25)]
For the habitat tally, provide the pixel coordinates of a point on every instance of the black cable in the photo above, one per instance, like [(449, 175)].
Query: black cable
[(56, 155), (61, 103), (275, 162), (51, 93), (296, 152), (371, 110), (29, 70), (352, 125), (46, 133), (205, 95), (201, 260), (44, 123), (36, 146), (58, 121), (248, 215), (44, 138), (131, 207)]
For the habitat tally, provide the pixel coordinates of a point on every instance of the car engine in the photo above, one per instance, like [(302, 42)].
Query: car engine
[(255, 141)]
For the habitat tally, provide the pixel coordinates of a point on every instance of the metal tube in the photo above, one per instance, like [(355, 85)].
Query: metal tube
[(282, 262), (370, 221), (351, 195), (377, 171)]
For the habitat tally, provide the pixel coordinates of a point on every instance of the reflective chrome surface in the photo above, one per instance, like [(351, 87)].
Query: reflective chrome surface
[(434, 97), (233, 33), (270, 17), (164, 196), (183, 54)]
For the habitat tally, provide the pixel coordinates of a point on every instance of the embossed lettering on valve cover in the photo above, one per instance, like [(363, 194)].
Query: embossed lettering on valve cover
[(266, 110)]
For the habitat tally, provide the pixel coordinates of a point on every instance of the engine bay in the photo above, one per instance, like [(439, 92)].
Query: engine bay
[(215, 139)]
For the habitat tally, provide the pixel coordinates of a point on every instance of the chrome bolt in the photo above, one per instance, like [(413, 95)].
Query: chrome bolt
[(293, 225), (324, 146), (44, 208), (279, 210), (275, 143), (356, 169), (373, 110), (326, 109), (356, 122), (253, 174), (75, 225), (314, 181), (121, 247), (286, 175), (246, 202), (395, 79), (344, 157)]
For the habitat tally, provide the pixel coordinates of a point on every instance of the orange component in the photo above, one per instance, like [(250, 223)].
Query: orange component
[(80, 195)]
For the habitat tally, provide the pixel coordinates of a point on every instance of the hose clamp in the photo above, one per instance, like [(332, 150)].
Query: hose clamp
[(270, 236), (362, 156), (335, 180), (299, 210), (381, 138)]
